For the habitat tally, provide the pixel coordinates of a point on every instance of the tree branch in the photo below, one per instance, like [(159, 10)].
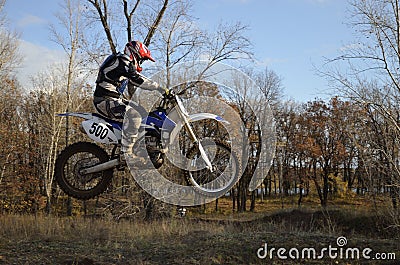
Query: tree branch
[(103, 18), (128, 17), (153, 27)]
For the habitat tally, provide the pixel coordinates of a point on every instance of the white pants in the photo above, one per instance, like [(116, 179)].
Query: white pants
[(121, 110)]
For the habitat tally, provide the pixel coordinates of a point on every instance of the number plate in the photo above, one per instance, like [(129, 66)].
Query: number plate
[(99, 132)]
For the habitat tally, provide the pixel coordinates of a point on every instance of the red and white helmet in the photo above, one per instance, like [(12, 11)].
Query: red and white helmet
[(139, 50)]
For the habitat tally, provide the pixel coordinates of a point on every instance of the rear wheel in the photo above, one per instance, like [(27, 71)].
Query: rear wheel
[(226, 169), (68, 170)]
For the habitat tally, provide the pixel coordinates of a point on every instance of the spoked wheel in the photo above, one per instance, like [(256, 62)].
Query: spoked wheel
[(68, 170), (226, 168)]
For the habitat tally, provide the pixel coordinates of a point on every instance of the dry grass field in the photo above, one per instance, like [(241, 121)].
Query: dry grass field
[(212, 238)]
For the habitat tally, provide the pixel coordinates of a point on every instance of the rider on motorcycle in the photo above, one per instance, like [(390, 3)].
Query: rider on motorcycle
[(113, 102)]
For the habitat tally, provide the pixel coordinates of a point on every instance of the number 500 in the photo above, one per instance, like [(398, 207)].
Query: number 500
[(98, 130)]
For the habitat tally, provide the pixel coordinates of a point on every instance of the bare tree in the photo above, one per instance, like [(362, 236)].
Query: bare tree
[(375, 58), (70, 39), (251, 98), (103, 13), (229, 43), (71, 22), (44, 102), (155, 24), (9, 55), (270, 85), (371, 78), (128, 16), (178, 39), (174, 35)]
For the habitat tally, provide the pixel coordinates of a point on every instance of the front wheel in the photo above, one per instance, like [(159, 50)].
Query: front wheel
[(68, 170), (226, 168)]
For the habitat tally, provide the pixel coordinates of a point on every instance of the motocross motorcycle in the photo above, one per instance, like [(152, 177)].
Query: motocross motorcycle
[(84, 170)]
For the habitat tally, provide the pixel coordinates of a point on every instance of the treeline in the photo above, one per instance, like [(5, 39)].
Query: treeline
[(324, 148), (332, 148), (31, 137), (348, 144)]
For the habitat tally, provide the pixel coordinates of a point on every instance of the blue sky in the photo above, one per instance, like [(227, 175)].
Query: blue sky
[(289, 36)]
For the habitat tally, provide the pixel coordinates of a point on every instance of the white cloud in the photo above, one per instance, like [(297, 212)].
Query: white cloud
[(30, 20), (36, 58)]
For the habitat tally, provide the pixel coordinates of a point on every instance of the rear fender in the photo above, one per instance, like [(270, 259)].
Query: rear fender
[(98, 129)]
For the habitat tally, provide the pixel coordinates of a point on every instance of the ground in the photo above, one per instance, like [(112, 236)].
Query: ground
[(217, 238)]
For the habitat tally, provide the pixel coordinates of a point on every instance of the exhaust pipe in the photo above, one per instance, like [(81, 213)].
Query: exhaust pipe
[(100, 167)]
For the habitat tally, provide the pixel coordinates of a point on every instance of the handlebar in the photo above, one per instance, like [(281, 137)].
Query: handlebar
[(172, 93)]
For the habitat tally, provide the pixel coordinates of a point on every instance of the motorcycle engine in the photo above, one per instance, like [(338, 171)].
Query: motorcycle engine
[(153, 146), (152, 143)]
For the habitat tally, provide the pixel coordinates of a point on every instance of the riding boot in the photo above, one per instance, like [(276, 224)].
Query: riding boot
[(129, 137), (128, 157), (127, 144)]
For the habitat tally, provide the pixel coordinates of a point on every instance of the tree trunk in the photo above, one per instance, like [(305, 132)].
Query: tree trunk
[(253, 201)]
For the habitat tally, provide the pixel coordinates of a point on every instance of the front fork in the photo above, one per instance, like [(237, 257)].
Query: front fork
[(193, 137)]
